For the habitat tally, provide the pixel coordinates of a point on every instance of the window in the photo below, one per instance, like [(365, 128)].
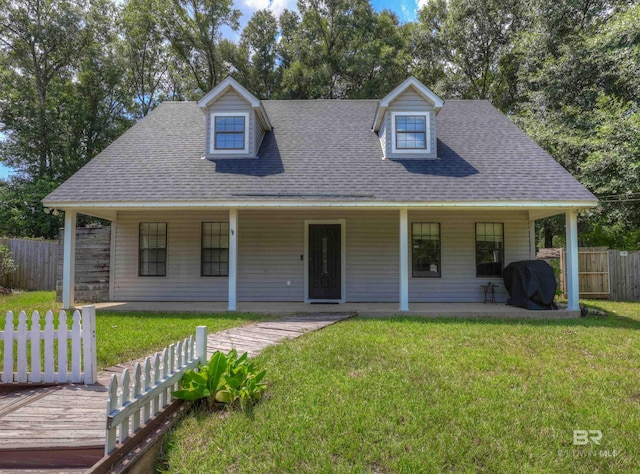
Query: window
[(425, 245), (215, 249), (489, 249), (153, 249), (230, 133), (410, 133)]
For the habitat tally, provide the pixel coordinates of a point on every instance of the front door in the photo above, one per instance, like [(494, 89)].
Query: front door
[(324, 262)]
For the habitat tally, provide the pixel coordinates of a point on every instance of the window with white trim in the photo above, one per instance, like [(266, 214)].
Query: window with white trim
[(410, 132), (229, 133), (152, 253), (489, 249), (215, 249), (425, 250)]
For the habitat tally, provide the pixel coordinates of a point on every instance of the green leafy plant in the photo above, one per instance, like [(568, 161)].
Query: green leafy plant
[(226, 379), (7, 265)]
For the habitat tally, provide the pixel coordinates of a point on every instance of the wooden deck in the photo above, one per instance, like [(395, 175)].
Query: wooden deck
[(62, 428)]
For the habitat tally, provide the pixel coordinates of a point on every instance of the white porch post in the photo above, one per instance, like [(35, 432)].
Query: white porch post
[(233, 257), (404, 260), (572, 260), (69, 260), (532, 239)]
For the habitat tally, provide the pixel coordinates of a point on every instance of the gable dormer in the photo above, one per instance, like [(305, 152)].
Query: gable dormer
[(405, 121), (236, 121)]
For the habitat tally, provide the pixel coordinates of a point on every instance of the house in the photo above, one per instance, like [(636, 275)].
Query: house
[(405, 199)]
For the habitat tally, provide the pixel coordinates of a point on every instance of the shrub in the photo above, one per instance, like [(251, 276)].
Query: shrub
[(225, 380), (7, 265)]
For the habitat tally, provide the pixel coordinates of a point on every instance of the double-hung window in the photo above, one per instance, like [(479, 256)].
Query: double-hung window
[(425, 250), (489, 249), (152, 251), (215, 249), (230, 133), (410, 132)]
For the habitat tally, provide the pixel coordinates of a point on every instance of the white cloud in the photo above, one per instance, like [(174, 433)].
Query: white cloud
[(248, 7), (256, 4), (421, 3)]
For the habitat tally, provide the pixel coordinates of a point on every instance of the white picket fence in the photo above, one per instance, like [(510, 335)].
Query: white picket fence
[(82, 359), (132, 403)]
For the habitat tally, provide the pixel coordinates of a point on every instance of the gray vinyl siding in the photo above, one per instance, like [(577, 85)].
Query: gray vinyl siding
[(259, 134), (270, 244), (382, 135), (457, 230), (269, 249), (409, 101), (182, 281), (233, 102)]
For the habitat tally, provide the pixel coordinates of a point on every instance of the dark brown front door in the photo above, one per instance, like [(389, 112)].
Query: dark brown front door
[(324, 262)]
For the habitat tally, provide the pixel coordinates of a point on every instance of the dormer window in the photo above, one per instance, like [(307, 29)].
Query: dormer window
[(410, 132), (405, 122), (229, 132)]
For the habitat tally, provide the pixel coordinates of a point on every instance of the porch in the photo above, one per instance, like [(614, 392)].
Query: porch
[(408, 261), (428, 310)]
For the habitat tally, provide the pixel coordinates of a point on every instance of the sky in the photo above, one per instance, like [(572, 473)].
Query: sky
[(405, 9)]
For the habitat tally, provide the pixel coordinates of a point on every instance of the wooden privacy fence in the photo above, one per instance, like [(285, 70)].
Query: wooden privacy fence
[(42, 344), (602, 273), (593, 272), (625, 275), (36, 262), (133, 403)]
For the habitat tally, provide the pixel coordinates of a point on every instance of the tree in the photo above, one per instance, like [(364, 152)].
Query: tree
[(7, 265), (469, 44), (39, 44), (61, 101), (581, 103), (194, 28), (329, 40), (260, 38), (144, 51)]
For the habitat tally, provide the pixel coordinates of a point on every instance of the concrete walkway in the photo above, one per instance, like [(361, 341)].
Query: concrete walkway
[(62, 428)]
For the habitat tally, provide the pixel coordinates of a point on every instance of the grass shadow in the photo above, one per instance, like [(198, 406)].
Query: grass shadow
[(611, 320)]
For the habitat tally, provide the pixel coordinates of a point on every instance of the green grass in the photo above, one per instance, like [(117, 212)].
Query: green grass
[(434, 395), (123, 336)]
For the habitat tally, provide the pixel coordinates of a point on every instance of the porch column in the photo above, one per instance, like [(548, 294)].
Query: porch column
[(532, 239), (233, 257), (404, 260), (572, 260), (69, 260)]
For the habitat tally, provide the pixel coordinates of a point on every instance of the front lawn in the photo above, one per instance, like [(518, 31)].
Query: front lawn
[(434, 395), (124, 336)]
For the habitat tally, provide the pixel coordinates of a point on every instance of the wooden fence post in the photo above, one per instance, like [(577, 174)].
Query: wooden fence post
[(7, 371), (89, 344), (76, 348), (62, 347), (36, 364), (49, 370), (22, 348), (201, 344), (112, 406)]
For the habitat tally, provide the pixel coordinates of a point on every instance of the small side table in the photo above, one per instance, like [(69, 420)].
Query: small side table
[(489, 292)]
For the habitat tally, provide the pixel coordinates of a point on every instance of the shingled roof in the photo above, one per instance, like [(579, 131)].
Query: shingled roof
[(322, 150)]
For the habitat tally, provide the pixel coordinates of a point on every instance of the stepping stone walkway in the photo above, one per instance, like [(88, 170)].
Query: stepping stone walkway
[(254, 338)]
